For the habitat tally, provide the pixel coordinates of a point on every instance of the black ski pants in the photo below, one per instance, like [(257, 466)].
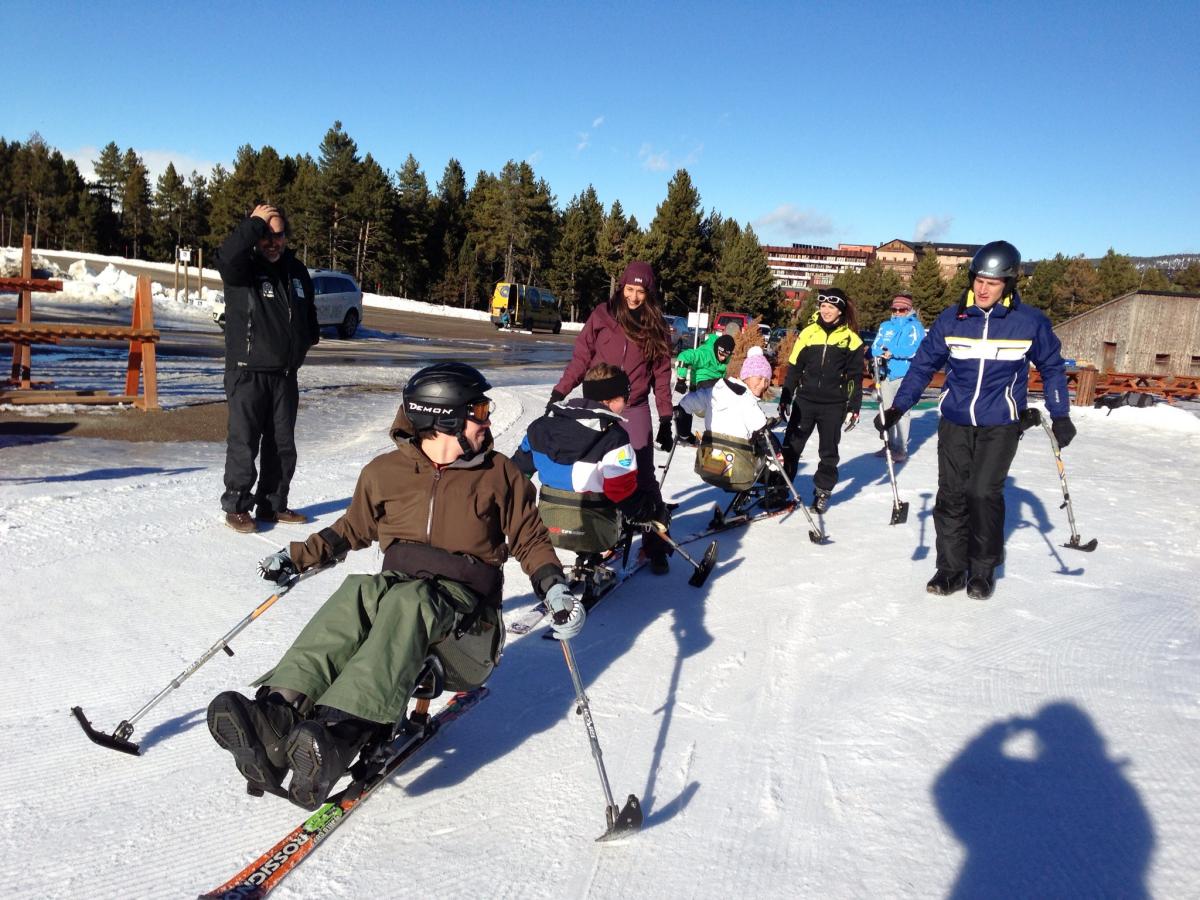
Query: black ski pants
[(968, 515), (646, 481), (827, 419), (262, 424)]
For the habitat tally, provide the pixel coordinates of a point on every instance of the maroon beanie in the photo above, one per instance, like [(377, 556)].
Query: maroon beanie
[(639, 273)]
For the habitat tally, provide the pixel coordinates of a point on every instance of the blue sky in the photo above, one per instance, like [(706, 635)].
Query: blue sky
[(1062, 127)]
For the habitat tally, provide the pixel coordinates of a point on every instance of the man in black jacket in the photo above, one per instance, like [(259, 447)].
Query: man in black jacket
[(270, 322)]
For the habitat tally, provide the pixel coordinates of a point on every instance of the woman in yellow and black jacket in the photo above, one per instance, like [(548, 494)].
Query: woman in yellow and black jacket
[(823, 389)]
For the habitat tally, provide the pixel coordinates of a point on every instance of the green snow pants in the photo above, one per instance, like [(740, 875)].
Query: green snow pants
[(363, 650)]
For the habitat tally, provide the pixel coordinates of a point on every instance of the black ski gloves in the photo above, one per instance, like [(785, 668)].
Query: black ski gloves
[(785, 403), (851, 421), (646, 506), (1064, 430), (665, 440), (1031, 417), (681, 385), (278, 568), (886, 420), (555, 397)]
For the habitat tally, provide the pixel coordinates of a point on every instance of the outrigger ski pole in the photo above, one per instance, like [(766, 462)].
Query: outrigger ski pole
[(703, 568), (815, 534), (899, 510), (620, 821), (1074, 543), (119, 739)]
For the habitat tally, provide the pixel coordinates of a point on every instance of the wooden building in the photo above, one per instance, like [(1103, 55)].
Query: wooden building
[(1148, 332)]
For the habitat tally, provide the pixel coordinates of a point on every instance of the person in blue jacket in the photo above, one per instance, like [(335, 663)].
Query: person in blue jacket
[(986, 342), (894, 346)]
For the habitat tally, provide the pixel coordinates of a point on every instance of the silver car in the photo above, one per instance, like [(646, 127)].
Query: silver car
[(338, 299)]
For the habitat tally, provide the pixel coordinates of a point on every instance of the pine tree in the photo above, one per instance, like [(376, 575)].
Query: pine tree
[(1189, 279), (109, 175), (412, 225), (371, 210), (927, 285), (955, 288), (1077, 291), (1154, 280), (305, 210), (168, 209), (448, 231), (742, 281), (135, 203), (1038, 289), (195, 220), (338, 165), (612, 245), (1117, 275), (675, 243), (577, 276)]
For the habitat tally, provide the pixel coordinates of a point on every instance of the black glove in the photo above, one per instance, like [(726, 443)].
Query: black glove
[(886, 420), (555, 397), (1064, 430), (1031, 417), (851, 420), (681, 385), (665, 440), (278, 568)]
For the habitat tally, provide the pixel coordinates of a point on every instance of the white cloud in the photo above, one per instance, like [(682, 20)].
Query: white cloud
[(534, 158), (693, 156), (792, 223), (930, 228), (155, 162), (585, 137), (653, 161)]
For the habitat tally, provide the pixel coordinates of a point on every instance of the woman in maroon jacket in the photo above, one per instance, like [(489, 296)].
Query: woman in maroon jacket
[(629, 331)]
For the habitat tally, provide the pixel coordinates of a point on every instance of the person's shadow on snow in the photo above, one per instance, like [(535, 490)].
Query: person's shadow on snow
[(1016, 501), (1042, 811)]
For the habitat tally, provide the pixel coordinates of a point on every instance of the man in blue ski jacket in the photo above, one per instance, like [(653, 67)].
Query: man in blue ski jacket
[(895, 345), (986, 342)]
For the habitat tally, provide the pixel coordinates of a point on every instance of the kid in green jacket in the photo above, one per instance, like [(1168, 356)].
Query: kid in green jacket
[(705, 364)]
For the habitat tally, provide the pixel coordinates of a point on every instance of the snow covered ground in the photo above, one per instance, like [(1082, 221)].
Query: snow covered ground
[(810, 723)]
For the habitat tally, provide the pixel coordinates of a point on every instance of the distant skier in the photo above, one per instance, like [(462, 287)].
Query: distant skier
[(446, 510), (895, 345), (702, 366), (986, 342), (823, 389)]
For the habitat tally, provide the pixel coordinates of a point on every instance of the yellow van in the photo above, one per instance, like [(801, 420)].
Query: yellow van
[(525, 307)]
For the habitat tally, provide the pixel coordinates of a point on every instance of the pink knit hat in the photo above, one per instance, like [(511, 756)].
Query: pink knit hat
[(755, 364)]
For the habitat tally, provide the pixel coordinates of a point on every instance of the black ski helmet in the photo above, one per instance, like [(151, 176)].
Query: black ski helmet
[(438, 397), (999, 259)]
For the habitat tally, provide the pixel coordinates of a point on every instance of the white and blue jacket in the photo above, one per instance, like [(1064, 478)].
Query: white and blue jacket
[(987, 357), (901, 336), (580, 446)]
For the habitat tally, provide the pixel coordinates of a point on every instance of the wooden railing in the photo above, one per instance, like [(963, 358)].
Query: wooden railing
[(23, 333)]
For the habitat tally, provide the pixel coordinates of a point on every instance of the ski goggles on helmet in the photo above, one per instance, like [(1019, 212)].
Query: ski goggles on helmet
[(480, 411)]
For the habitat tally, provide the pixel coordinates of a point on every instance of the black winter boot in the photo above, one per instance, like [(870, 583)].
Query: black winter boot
[(820, 502), (255, 732), (981, 585), (943, 582), (320, 752)]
